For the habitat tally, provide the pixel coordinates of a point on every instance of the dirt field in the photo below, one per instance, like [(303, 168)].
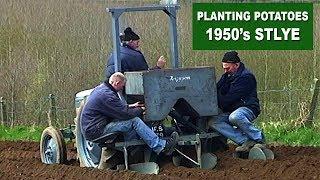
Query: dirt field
[(21, 160)]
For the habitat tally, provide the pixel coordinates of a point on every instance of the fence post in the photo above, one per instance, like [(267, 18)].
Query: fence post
[(314, 101), (3, 111), (52, 110)]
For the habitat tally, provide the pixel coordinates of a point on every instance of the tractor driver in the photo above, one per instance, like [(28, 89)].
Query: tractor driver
[(104, 113), (131, 58), (237, 98)]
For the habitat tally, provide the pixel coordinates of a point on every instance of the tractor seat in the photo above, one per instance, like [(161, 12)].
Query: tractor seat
[(107, 139)]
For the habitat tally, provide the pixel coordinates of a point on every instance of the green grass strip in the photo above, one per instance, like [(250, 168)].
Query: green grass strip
[(275, 132), (25, 133), (287, 134)]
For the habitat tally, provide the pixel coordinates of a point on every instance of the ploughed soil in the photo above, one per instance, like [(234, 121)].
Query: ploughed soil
[(21, 160)]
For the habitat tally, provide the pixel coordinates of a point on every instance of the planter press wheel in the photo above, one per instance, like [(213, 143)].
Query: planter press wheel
[(89, 153), (261, 153), (52, 146), (258, 152)]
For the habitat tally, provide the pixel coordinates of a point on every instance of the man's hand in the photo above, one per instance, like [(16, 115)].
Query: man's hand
[(137, 104), (144, 110), (161, 62)]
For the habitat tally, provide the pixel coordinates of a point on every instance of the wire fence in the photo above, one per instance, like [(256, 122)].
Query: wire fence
[(52, 109), (13, 113)]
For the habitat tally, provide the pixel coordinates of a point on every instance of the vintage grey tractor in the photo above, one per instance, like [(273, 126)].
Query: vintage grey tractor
[(166, 94)]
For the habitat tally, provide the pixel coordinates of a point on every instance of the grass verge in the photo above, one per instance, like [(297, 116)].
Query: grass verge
[(275, 132), (25, 133), (289, 134)]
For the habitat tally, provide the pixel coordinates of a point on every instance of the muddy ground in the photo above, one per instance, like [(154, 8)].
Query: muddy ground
[(21, 160)]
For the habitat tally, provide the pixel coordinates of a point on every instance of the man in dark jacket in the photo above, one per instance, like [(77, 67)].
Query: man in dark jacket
[(104, 113), (131, 58), (237, 98)]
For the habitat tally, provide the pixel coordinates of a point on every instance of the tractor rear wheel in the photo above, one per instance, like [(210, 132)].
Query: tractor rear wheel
[(89, 153), (86, 158), (52, 146)]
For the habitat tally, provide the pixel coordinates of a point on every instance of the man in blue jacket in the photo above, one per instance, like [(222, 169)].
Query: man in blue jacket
[(131, 58), (104, 113), (237, 98)]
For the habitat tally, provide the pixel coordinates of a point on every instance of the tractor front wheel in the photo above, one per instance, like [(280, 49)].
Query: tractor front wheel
[(52, 146)]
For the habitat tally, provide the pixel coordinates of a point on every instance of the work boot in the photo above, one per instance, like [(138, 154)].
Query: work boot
[(171, 143), (246, 146)]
